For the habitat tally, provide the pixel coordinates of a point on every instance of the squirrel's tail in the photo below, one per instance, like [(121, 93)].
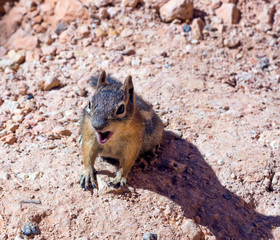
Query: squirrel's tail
[(111, 81)]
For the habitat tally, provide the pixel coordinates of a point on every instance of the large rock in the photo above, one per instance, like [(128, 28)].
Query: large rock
[(229, 13), (130, 3), (9, 106), (9, 139), (66, 36), (48, 50), (13, 18), (267, 15), (69, 11), (155, 4), (176, 9), (102, 3), (50, 82), (264, 27), (5, 63), (197, 28), (105, 174), (17, 57), (84, 31), (191, 229), (27, 43), (11, 126)]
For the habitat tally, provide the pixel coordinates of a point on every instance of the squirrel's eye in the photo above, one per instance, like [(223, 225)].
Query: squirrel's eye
[(89, 105), (120, 109)]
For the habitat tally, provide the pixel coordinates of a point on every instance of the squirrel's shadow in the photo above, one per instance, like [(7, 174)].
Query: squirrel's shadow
[(182, 175)]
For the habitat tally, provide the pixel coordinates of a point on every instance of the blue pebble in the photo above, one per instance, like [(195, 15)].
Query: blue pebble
[(187, 28), (30, 96), (30, 229)]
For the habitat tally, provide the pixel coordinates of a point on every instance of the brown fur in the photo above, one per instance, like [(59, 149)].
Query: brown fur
[(135, 131)]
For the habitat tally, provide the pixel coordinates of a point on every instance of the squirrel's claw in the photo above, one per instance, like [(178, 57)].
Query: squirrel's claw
[(88, 180), (118, 184), (123, 182), (119, 180)]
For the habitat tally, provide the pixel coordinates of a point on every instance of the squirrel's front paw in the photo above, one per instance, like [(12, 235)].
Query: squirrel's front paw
[(88, 179), (119, 179)]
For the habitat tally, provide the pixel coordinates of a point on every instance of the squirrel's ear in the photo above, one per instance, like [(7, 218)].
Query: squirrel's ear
[(102, 79), (128, 88)]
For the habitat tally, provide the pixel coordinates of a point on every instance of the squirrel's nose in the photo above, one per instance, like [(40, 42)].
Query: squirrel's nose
[(99, 124)]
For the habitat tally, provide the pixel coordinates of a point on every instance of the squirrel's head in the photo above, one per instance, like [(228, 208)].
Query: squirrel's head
[(110, 107)]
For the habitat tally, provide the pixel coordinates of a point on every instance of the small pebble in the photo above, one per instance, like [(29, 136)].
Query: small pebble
[(167, 65), (128, 52), (275, 183), (83, 238), (188, 48), (232, 43), (194, 41), (100, 33), (267, 183), (51, 82), (11, 76), (209, 28), (149, 236), (264, 63), (30, 96), (10, 139), (30, 229), (233, 176), (19, 237), (61, 131), (187, 28), (135, 62), (119, 58), (164, 54), (61, 27), (221, 162), (102, 14)]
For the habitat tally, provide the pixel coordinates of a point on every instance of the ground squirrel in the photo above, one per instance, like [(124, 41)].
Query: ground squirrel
[(116, 124)]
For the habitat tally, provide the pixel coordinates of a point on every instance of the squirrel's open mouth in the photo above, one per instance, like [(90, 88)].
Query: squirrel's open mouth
[(103, 137)]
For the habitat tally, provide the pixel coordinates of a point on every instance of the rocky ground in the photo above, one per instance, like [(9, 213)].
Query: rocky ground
[(211, 72)]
